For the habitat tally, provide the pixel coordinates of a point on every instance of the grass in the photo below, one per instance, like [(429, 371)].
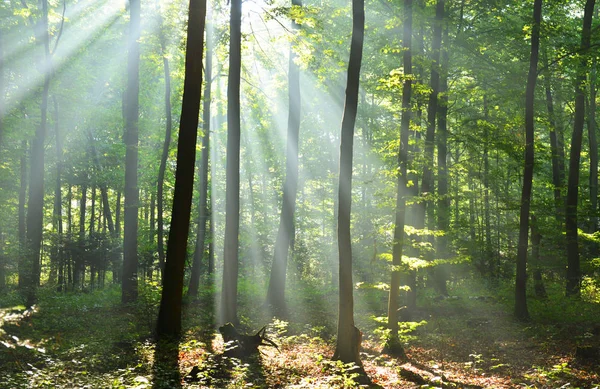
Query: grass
[(90, 340)]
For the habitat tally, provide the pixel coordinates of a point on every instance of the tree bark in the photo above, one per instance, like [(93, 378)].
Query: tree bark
[(557, 166), (131, 111), (285, 234), (203, 184), (232, 191), (55, 257), (35, 204), (521, 311), (393, 345), (169, 316), (165, 151), (593, 149), (573, 287), (348, 336), (22, 268)]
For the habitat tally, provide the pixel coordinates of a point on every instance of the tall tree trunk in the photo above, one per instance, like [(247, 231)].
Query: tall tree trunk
[(521, 311), (35, 204), (426, 208), (593, 149), (22, 267), (486, 189), (443, 216), (78, 260), (232, 195), (130, 259), (557, 164), (573, 287), (169, 316), (285, 234), (2, 92), (166, 145), (203, 211), (55, 257), (536, 239), (393, 345), (348, 336)]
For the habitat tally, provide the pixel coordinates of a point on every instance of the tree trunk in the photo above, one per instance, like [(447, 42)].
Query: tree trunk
[(165, 151), (232, 195), (521, 311), (55, 256), (573, 287), (393, 345), (536, 239), (348, 336), (130, 259), (203, 185), (169, 316), (285, 234), (35, 204), (486, 189), (557, 174), (22, 269), (593, 149)]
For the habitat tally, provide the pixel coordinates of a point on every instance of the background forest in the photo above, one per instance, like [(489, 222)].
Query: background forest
[(404, 193)]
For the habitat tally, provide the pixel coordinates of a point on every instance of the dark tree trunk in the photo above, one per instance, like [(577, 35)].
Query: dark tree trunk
[(22, 225), (593, 149), (521, 311), (232, 195), (55, 255), (169, 316), (348, 336), (573, 287), (165, 151), (78, 260), (35, 204), (393, 345), (486, 188), (130, 259), (557, 164), (426, 211), (285, 234), (203, 185), (443, 216)]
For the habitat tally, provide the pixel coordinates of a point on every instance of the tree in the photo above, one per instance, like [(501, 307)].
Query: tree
[(573, 266), (35, 203), (160, 182), (232, 192), (348, 336), (169, 316), (203, 212), (393, 344), (286, 231), (521, 279), (131, 113)]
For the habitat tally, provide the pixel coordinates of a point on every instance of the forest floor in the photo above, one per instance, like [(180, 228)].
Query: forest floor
[(90, 341)]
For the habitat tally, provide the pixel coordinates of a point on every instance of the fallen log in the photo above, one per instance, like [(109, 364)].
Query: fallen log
[(240, 345)]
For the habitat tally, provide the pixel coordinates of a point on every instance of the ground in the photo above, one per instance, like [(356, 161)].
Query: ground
[(466, 341)]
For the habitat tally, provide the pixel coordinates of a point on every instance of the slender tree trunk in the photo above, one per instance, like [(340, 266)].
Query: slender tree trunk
[(486, 189), (443, 217), (557, 174), (521, 311), (393, 345), (348, 336), (573, 287), (55, 256), (22, 267), (203, 212), (165, 151), (593, 149), (169, 316), (2, 92), (78, 260), (232, 195), (35, 204), (130, 259), (285, 234), (427, 182)]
